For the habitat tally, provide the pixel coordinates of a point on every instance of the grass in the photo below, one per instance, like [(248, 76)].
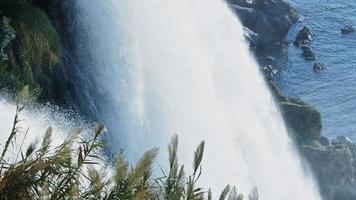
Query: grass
[(36, 50), (72, 170)]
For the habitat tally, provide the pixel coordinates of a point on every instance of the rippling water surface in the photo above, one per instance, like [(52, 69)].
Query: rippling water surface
[(333, 92)]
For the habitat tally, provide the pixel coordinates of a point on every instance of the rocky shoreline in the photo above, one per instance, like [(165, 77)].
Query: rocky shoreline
[(333, 162)]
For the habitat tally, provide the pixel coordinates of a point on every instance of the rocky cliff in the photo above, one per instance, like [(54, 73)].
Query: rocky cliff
[(333, 163)]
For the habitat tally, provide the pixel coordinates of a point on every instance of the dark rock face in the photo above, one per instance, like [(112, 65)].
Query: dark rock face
[(347, 30), (324, 141), (269, 19), (308, 53), (270, 71), (334, 167), (318, 67), (304, 119), (251, 37), (333, 163), (304, 37)]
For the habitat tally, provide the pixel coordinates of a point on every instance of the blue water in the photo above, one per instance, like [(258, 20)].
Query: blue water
[(333, 91)]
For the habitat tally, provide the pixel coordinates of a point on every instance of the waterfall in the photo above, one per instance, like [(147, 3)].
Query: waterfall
[(33, 123), (160, 67)]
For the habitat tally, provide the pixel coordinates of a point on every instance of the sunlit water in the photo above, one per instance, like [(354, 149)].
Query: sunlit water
[(333, 92), (33, 124)]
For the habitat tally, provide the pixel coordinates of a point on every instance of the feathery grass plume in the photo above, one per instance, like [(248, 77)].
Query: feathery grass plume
[(27, 178), (253, 194), (86, 153), (98, 184), (198, 156), (136, 182), (174, 186), (224, 193), (234, 195), (210, 196), (70, 171), (193, 192)]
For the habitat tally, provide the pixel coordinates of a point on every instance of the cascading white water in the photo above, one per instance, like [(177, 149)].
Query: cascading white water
[(34, 120), (182, 66)]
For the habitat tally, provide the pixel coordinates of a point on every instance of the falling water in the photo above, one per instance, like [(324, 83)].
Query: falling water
[(33, 123), (161, 67)]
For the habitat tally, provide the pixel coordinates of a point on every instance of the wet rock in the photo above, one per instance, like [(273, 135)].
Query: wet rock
[(276, 91), (270, 58), (308, 53), (303, 118), (334, 166), (270, 71), (251, 37), (348, 29), (270, 19), (318, 67), (334, 169), (324, 141), (304, 37), (342, 141)]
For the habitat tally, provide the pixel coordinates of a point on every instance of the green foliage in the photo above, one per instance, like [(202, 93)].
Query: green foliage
[(7, 34), (35, 20), (72, 170), (35, 51)]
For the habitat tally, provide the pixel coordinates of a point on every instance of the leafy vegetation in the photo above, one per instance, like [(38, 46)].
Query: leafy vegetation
[(7, 34), (74, 170), (33, 53)]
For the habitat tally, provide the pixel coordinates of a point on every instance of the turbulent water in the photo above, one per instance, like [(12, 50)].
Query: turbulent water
[(34, 121), (157, 67), (333, 92)]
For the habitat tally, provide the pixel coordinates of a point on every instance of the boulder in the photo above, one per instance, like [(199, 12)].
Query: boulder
[(270, 19), (304, 37), (270, 71), (308, 53), (334, 169), (334, 166), (348, 29), (303, 119), (324, 141), (342, 141), (318, 67)]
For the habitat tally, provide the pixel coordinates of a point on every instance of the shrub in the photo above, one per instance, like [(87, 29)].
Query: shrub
[(36, 50), (7, 34)]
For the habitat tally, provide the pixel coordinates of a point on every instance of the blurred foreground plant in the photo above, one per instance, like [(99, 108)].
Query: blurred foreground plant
[(75, 170)]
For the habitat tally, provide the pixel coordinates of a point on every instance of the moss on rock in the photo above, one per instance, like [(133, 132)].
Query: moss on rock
[(35, 51), (303, 118)]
